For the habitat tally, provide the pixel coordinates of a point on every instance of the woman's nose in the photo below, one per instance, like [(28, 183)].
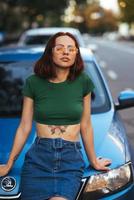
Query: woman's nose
[(66, 50)]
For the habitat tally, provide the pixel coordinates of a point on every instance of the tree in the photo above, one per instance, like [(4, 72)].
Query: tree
[(21, 14), (99, 20), (45, 5), (96, 20), (10, 17), (127, 10), (51, 11)]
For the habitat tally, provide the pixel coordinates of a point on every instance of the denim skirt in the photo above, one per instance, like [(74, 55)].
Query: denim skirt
[(52, 168)]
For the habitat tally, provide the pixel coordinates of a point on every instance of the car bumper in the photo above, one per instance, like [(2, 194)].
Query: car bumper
[(15, 197)]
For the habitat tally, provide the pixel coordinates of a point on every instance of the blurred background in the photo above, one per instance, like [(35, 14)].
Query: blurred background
[(113, 19), (107, 25)]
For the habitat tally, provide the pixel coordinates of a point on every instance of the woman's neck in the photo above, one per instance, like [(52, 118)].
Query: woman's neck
[(61, 75)]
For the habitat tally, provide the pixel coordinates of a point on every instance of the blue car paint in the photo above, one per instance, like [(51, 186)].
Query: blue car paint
[(7, 134), (128, 94), (121, 194), (104, 121)]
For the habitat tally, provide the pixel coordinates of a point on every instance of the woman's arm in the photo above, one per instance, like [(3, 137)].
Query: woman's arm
[(87, 136), (22, 134)]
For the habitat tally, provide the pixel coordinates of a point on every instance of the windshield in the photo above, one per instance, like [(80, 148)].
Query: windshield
[(37, 39), (13, 75), (43, 39), (100, 99)]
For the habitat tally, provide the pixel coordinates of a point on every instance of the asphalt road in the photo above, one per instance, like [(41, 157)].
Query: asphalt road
[(117, 62)]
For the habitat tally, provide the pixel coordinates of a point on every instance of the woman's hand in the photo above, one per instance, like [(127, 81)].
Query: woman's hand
[(5, 168), (102, 164)]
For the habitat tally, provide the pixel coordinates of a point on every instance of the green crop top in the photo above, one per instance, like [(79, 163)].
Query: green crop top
[(58, 103)]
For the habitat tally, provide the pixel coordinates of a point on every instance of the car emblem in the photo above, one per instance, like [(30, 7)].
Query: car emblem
[(8, 183)]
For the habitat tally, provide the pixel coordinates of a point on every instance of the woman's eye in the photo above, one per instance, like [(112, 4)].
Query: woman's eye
[(71, 49), (59, 48)]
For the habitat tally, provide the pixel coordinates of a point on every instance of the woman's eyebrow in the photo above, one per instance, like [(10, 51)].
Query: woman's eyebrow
[(59, 44), (64, 45)]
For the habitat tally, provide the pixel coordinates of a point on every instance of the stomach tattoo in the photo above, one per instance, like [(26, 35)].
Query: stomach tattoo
[(57, 129)]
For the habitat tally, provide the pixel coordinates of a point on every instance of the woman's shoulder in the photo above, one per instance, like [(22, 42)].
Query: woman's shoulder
[(84, 75), (87, 80), (33, 78)]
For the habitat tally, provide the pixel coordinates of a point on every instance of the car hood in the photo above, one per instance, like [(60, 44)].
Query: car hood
[(8, 129), (105, 145)]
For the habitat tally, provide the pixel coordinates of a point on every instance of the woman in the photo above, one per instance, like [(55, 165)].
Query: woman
[(58, 97)]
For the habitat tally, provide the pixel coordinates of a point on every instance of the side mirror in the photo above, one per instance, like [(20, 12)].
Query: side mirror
[(125, 99)]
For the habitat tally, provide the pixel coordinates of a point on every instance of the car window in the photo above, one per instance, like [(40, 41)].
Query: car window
[(100, 98), (43, 39), (12, 78), (37, 39)]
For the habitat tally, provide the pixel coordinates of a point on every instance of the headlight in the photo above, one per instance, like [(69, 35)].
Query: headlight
[(109, 182)]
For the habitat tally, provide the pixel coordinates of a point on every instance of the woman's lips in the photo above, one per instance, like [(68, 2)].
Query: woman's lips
[(65, 59)]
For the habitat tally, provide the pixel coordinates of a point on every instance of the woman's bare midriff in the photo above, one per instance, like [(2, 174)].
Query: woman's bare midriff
[(66, 132)]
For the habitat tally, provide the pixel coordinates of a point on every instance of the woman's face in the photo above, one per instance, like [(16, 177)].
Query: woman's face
[(64, 52)]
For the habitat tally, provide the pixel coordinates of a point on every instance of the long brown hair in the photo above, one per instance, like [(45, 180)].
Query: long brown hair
[(45, 67)]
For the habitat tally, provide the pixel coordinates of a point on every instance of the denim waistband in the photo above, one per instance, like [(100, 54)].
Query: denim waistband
[(57, 143)]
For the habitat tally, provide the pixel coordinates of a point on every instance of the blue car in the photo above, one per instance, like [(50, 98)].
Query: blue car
[(16, 64)]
